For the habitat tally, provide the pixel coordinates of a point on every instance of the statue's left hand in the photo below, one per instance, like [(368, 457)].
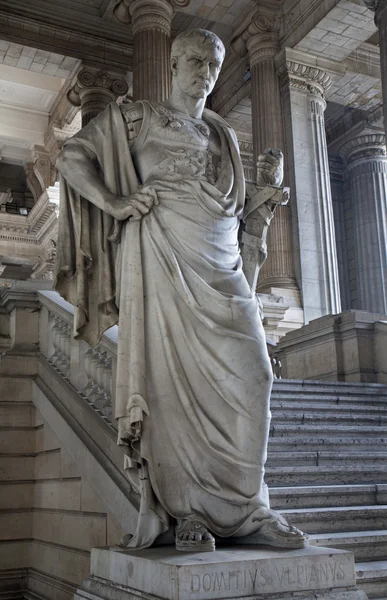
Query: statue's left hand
[(270, 168)]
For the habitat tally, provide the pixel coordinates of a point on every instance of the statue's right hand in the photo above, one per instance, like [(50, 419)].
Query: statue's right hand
[(136, 206)]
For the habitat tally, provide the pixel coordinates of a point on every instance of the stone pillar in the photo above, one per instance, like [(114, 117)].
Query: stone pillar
[(367, 172), (380, 9), (303, 89), (151, 23), (339, 187), (260, 40), (94, 90)]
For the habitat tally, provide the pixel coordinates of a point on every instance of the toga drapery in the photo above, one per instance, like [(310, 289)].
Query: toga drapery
[(192, 352)]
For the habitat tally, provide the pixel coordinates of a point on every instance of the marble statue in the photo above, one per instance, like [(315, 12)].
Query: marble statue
[(153, 195)]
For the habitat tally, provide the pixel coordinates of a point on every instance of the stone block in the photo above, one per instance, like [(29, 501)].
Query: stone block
[(90, 500), (17, 440), (16, 495), (15, 525), (14, 554), (47, 465), (74, 530), (344, 347), (15, 389), (227, 573), (68, 466), (333, 26), (67, 564), (42, 585), (65, 495), (16, 468)]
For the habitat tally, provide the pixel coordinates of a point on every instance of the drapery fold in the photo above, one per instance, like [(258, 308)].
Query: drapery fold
[(191, 349)]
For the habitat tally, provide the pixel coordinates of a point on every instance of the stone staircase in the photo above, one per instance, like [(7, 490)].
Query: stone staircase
[(327, 469)]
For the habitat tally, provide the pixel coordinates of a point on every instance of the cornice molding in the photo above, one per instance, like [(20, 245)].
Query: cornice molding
[(33, 229), (304, 77), (356, 124)]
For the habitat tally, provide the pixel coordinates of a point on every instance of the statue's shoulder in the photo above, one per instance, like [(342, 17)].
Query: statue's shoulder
[(210, 115), (132, 111)]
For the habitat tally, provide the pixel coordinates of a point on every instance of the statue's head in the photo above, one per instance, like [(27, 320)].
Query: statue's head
[(196, 60)]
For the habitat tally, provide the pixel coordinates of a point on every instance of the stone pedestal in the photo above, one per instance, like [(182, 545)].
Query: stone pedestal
[(164, 573), (351, 346)]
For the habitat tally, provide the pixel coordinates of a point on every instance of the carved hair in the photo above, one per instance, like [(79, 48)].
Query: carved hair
[(179, 44)]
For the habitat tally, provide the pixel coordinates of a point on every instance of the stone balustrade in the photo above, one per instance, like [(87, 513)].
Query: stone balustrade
[(91, 371)]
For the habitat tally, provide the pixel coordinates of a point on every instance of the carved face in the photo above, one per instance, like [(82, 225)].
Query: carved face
[(195, 72)]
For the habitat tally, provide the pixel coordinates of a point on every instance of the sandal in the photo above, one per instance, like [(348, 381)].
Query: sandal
[(193, 536)]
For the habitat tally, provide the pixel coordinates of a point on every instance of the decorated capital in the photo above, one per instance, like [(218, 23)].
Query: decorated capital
[(378, 7), (257, 36), (94, 89), (125, 10)]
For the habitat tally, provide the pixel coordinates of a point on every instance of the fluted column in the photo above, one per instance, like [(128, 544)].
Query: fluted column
[(151, 22), (303, 89), (380, 9), (367, 172), (260, 41), (94, 90)]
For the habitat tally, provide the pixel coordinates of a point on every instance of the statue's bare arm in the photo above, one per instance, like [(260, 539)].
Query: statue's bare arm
[(78, 167)]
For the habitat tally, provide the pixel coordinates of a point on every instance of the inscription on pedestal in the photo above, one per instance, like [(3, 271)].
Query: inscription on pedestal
[(230, 573), (264, 579)]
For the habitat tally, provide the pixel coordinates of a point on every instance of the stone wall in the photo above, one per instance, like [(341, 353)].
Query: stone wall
[(50, 517), (351, 346)]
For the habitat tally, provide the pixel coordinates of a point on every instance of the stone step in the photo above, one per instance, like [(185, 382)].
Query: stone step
[(324, 475), (347, 431), (327, 496), (329, 387), (371, 577), (366, 545), (304, 442), (334, 407), (333, 417), (338, 520), (339, 400), (319, 458)]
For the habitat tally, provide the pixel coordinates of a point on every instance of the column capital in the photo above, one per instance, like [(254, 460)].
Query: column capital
[(257, 36), (148, 14), (364, 147), (92, 79), (306, 78), (377, 6)]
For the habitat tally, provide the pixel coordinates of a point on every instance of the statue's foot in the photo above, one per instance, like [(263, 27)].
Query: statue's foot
[(193, 536), (280, 535)]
